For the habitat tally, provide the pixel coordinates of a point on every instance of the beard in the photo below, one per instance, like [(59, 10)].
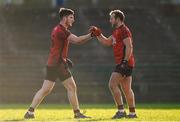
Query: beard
[(68, 24)]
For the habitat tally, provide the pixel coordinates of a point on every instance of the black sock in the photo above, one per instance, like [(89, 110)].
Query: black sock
[(31, 109), (76, 111)]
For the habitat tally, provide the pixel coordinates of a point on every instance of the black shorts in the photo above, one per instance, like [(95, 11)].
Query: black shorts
[(127, 73), (60, 71)]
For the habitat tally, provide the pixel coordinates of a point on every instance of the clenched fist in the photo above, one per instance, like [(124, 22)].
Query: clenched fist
[(95, 31)]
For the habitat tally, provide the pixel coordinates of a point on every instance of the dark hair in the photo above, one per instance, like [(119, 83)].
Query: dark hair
[(118, 14), (65, 12)]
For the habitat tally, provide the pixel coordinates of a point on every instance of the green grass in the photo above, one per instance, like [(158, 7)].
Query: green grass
[(98, 112)]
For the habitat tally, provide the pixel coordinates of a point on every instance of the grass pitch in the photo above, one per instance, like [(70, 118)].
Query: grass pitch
[(98, 112)]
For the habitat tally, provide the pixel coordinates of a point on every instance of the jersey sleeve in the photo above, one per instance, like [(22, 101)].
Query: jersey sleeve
[(68, 32), (125, 33)]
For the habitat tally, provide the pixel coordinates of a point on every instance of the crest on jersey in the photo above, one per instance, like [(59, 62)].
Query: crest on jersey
[(113, 40)]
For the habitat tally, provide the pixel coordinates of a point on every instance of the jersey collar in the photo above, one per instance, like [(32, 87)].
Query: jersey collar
[(62, 27), (120, 26)]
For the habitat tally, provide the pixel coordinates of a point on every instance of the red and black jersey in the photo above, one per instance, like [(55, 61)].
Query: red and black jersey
[(118, 35), (59, 45)]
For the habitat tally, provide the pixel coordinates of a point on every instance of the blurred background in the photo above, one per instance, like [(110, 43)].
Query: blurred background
[(25, 27)]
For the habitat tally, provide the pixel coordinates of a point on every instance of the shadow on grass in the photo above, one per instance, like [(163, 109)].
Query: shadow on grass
[(61, 120), (105, 120), (92, 120), (14, 120)]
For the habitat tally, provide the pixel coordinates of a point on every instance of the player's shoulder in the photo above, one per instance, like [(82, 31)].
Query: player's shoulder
[(125, 29), (57, 29)]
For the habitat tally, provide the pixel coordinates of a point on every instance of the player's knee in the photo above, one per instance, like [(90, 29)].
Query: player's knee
[(112, 85), (72, 87)]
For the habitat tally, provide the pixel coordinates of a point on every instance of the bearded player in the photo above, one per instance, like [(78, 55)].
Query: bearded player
[(121, 41), (58, 65)]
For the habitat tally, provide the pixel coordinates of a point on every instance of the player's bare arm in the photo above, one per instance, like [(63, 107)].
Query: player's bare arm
[(104, 40), (79, 39), (129, 48)]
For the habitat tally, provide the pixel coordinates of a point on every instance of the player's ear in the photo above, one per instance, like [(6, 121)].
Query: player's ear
[(64, 18)]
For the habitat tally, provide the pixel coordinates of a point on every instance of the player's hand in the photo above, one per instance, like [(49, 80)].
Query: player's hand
[(95, 31), (123, 67), (69, 63), (124, 64)]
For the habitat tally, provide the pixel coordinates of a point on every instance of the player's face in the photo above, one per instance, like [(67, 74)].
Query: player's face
[(113, 21), (70, 20)]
